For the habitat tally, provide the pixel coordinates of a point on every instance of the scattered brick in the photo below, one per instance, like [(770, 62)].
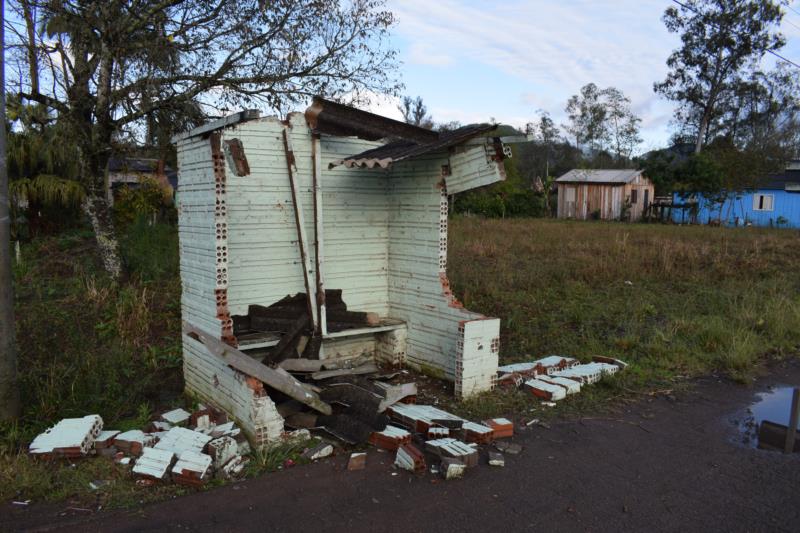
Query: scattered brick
[(358, 461), (410, 458)]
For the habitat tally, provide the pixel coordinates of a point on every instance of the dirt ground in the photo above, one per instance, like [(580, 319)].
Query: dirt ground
[(660, 464)]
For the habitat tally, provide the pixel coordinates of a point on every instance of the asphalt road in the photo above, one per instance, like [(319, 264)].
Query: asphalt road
[(661, 464)]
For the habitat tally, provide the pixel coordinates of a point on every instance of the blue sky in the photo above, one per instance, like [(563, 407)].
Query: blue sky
[(472, 60)]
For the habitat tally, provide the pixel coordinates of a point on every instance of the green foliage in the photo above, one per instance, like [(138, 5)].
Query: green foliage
[(147, 201), (86, 344), (150, 250), (508, 198)]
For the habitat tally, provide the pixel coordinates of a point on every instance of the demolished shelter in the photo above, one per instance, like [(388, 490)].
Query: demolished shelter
[(335, 205)]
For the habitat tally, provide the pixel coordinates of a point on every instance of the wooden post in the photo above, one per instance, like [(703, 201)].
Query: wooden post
[(301, 229), (316, 152), (794, 417)]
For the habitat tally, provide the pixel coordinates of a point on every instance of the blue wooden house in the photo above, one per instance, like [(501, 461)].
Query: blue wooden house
[(774, 203)]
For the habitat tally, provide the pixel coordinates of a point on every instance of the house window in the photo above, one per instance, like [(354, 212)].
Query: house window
[(634, 196), (763, 202)]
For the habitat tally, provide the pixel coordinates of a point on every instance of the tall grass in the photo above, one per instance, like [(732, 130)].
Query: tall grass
[(671, 300)]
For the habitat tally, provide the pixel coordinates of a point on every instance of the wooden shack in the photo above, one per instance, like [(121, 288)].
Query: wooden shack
[(336, 201), (604, 194)]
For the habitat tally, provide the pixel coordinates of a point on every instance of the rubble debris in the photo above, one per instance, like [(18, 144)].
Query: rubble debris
[(420, 418), (477, 433), (158, 426), (453, 448), (513, 380), (585, 374), (320, 451), (545, 390), (406, 392), (176, 417), (438, 433), (496, 459), (554, 363), (192, 468), (410, 458), (179, 440), (502, 427), (508, 447), (133, 442), (153, 464), (222, 449), (105, 439), (452, 468), (234, 467), (570, 385), (357, 461), (622, 365), (391, 438), (71, 437)]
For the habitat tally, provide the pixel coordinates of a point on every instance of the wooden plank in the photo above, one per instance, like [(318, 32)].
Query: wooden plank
[(316, 154), (369, 368), (281, 381)]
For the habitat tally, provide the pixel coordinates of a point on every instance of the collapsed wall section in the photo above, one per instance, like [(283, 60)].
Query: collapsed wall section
[(443, 338)]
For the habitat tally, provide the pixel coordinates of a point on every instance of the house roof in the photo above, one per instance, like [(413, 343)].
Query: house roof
[(134, 164), (578, 175), (788, 180)]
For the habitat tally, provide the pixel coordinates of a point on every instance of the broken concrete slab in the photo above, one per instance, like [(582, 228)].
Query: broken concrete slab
[(192, 468), (176, 417), (133, 442), (508, 447), (570, 385), (153, 464), (357, 461), (222, 449), (452, 468), (179, 440), (410, 458), (234, 468), (390, 438), (496, 459), (477, 433), (105, 439), (453, 448), (320, 451), (544, 390), (622, 365), (70, 437), (502, 427)]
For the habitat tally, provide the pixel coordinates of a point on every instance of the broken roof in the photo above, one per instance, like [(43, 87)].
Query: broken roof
[(618, 176), (385, 155), (331, 118)]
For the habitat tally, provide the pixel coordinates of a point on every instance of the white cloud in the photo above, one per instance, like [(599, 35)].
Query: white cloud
[(554, 48)]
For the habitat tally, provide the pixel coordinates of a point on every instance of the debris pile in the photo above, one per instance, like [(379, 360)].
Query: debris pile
[(555, 377), (182, 447)]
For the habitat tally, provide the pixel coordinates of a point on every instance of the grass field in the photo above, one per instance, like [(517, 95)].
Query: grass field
[(675, 302)]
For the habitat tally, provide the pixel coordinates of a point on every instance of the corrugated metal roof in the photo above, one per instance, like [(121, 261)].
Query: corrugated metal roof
[(579, 175), (383, 156)]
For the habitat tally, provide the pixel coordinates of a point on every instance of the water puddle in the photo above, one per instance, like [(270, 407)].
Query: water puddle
[(772, 407)]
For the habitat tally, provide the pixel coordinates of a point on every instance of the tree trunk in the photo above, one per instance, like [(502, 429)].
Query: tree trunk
[(99, 213), (9, 390)]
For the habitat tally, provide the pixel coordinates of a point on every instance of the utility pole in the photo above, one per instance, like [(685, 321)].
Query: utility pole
[(9, 393)]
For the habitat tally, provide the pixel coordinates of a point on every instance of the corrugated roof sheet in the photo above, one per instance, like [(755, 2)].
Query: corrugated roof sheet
[(579, 175), (383, 156)]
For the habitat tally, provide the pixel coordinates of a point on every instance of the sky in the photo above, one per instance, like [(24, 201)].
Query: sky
[(475, 60)]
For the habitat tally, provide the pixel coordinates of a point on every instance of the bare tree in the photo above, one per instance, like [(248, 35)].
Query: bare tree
[(415, 112), (623, 125)]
